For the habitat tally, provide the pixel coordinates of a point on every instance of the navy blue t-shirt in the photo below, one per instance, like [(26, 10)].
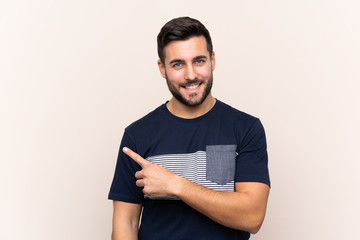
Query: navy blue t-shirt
[(215, 150)]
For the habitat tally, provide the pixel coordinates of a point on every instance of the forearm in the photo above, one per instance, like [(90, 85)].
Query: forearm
[(239, 210), (125, 221), (124, 232)]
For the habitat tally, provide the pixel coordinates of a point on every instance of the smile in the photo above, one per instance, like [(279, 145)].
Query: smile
[(192, 86)]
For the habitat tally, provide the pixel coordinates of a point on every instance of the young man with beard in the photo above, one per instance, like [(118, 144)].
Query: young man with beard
[(195, 167)]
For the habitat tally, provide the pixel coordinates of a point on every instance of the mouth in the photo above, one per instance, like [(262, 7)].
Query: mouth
[(192, 86)]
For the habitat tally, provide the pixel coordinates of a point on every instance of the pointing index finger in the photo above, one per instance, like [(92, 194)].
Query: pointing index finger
[(136, 157)]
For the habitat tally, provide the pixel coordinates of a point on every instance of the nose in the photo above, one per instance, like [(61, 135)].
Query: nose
[(190, 73)]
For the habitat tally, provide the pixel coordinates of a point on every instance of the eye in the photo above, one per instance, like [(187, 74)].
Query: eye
[(176, 65), (199, 61)]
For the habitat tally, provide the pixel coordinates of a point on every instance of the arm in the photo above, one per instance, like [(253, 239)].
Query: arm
[(243, 209), (126, 221)]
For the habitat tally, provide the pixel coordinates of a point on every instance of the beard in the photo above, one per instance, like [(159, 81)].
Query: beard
[(193, 99)]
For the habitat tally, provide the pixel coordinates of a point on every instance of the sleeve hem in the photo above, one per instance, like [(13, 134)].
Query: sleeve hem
[(119, 197), (253, 179)]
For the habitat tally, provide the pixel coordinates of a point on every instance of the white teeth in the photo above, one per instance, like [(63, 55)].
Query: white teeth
[(192, 86)]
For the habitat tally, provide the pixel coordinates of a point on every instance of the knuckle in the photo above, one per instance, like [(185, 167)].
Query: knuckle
[(137, 183)]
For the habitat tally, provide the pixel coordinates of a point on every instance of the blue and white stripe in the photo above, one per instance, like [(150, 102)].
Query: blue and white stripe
[(191, 166)]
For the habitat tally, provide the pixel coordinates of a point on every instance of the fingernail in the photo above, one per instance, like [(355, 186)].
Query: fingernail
[(125, 149)]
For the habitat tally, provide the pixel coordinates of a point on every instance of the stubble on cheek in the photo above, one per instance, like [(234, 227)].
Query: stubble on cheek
[(191, 99)]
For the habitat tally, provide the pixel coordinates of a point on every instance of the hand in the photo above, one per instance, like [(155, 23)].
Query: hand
[(156, 180)]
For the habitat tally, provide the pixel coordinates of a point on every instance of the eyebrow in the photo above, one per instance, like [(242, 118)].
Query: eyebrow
[(180, 60), (200, 57), (175, 61)]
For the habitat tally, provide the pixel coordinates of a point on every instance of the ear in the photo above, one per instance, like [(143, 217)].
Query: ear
[(213, 60), (161, 68)]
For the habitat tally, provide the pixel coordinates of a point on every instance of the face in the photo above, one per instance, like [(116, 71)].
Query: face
[(188, 70)]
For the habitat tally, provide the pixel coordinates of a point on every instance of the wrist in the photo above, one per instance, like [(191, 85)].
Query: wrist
[(178, 186)]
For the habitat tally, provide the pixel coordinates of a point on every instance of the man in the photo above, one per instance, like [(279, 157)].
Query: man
[(195, 167)]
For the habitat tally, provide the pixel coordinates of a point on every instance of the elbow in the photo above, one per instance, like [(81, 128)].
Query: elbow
[(254, 229), (253, 224)]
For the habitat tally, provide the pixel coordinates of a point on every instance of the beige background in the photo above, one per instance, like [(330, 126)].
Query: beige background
[(74, 73)]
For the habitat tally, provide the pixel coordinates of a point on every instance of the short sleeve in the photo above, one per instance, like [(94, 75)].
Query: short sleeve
[(123, 187), (252, 159)]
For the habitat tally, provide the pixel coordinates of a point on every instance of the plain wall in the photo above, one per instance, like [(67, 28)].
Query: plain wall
[(75, 73)]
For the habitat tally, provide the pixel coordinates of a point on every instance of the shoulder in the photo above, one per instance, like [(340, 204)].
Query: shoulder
[(236, 115), (147, 122), (242, 123)]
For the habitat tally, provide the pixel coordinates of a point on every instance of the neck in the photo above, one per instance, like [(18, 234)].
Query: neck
[(183, 111)]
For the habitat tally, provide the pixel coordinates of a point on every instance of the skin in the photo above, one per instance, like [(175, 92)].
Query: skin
[(186, 62), (189, 62), (125, 220)]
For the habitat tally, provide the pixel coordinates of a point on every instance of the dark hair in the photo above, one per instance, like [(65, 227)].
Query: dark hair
[(181, 28)]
